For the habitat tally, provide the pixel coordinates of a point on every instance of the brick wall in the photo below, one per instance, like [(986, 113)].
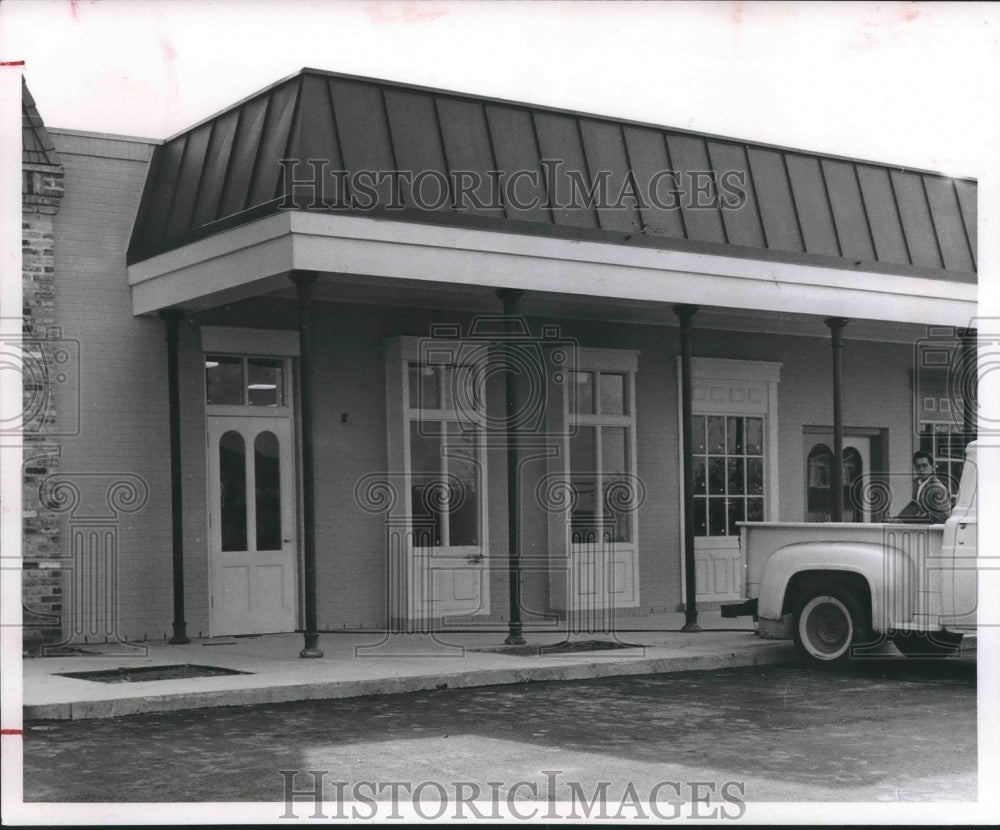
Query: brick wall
[(114, 461), (41, 194)]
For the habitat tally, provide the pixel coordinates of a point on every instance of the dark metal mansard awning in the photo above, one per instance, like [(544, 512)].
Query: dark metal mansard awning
[(460, 160)]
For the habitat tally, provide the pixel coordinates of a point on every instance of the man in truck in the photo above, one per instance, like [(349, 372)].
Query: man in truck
[(931, 501)]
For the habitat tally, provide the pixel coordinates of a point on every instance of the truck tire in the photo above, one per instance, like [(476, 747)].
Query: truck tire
[(826, 623), (929, 645)]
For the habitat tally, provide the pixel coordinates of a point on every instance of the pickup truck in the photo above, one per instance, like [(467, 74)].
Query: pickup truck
[(840, 590)]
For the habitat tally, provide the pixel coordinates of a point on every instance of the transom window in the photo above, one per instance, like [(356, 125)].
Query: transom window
[(244, 381), (728, 472)]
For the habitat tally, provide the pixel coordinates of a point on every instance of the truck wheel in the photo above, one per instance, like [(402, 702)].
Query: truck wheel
[(827, 622), (933, 645)]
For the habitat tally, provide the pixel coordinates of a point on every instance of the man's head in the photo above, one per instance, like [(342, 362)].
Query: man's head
[(923, 465)]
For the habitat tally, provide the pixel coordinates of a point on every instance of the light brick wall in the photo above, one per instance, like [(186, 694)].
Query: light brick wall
[(123, 422), (350, 379)]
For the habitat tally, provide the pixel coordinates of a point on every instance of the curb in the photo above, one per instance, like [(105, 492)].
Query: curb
[(118, 707)]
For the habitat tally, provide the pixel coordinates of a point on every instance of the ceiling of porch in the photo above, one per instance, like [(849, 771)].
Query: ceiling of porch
[(341, 288)]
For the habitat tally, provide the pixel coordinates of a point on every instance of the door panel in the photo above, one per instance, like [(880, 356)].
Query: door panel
[(252, 533)]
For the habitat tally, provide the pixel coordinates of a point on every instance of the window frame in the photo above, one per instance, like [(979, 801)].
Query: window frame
[(761, 375), (597, 362), (401, 353)]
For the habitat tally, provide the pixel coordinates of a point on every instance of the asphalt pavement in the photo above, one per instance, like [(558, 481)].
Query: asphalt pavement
[(887, 730)]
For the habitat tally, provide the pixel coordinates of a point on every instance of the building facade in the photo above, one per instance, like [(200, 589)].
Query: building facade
[(352, 353)]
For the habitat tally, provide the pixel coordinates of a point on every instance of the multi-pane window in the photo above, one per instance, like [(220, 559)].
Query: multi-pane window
[(244, 381), (728, 472), (948, 448), (600, 453), (445, 425)]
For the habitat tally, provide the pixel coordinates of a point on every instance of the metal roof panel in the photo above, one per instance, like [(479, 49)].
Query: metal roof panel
[(663, 187)]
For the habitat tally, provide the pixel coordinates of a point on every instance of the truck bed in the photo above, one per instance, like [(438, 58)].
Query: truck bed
[(907, 549)]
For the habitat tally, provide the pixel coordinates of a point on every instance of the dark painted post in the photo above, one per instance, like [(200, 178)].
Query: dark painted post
[(968, 384), (686, 314), (303, 289), (836, 325), (172, 317), (510, 298)]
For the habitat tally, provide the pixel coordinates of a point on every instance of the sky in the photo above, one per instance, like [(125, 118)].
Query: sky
[(895, 82)]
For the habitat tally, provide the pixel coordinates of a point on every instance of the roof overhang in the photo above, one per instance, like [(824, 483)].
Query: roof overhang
[(256, 258)]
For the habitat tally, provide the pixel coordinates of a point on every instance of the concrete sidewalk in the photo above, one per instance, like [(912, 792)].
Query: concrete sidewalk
[(369, 663)]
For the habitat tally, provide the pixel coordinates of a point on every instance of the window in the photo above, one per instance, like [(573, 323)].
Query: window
[(244, 381), (445, 423), (728, 472), (601, 428), (948, 448)]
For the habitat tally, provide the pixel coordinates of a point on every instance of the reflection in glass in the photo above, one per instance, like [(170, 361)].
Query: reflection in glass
[(728, 466), (581, 393), (735, 476), (264, 382), (463, 490), (617, 487), (716, 435), (700, 517), (818, 500), (425, 386), (427, 501), (717, 517), (735, 510), (585, 520), (612, 393), (734, 436), (717, 476), (755, 436), (698, 434), (699, 476), (223, 380), (267, 489), (233, 491), (464, 394)]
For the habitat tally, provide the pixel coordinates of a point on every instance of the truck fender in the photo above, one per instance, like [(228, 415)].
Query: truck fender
[(889, 573)]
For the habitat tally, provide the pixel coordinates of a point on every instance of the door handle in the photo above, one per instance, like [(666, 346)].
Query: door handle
[(475, 559), (961, 525), (287, 539)]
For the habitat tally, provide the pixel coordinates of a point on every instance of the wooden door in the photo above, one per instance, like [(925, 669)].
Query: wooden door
[(252, 533)]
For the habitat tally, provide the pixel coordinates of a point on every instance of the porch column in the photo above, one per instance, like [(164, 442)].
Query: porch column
[(303, 281), (836, 325), (510, 298), (969, 383), (171, 318), (685, 314)]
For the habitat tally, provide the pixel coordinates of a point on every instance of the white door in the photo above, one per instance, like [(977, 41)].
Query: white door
[(252, 538), (448, 569)]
